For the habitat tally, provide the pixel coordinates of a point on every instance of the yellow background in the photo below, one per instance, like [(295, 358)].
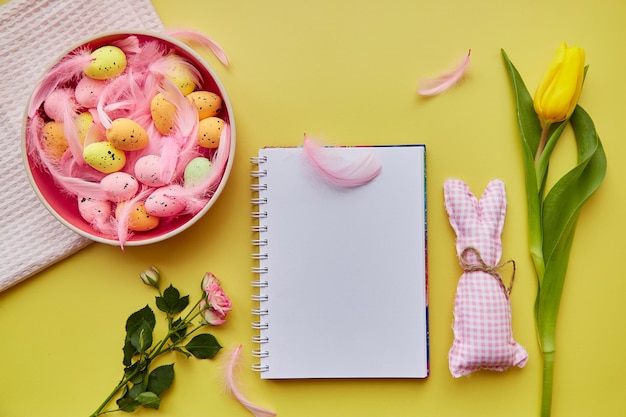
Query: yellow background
[(347, 71)]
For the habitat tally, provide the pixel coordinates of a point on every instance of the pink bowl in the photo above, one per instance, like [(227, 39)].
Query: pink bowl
[(64, 207)]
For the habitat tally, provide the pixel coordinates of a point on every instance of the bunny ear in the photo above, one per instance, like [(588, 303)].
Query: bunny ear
[(493, 206), (461, 205)]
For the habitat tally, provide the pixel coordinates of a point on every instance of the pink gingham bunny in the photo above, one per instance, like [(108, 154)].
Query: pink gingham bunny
[(483, 336)]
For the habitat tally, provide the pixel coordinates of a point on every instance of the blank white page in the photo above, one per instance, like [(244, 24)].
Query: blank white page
[(346, 269)]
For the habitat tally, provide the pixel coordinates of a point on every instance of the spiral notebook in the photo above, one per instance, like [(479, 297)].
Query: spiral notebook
[(341, 280)]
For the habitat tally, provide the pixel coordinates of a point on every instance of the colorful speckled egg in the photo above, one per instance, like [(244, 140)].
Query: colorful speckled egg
[(163, 114), (58, 102), (182, 76), (196, 170), (88, 91), (209, 131), (138, 220), (164, 203), (84, 121), (106, 62), (120, 186), (208, 103), (127, 135), (148, 170), (53, 140), (92, 210), (104, 157)]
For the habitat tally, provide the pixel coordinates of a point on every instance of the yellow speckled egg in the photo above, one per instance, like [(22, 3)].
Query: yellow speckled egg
[(139, 220), (209, 131), (182, 77), (53, 140), (163, 114), (106, 62), (127, 135), (208, 103), (83, 122), (104, 157)]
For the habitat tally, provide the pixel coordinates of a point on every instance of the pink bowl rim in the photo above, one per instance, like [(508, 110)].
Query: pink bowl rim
[(226, 100)]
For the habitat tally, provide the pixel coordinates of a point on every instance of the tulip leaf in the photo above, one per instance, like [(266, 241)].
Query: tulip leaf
[(530, 133)]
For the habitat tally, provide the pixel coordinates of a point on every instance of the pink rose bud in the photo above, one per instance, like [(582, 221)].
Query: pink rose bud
[(215, 303)]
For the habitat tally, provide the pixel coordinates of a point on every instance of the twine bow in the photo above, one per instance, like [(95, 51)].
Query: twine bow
[(482, 266)]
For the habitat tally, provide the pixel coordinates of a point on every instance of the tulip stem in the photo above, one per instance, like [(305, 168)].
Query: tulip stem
[(548, 377), (542, 142)]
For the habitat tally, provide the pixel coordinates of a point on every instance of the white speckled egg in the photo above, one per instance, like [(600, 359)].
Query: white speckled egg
[(120, 186), (162, 203), (104, 157), (139, 220), (209, 131), (88, 91), (107, 62), (127, 135), (148, 170), (196, 170), (208, 103), (91, 209), (163, 114), (53, 140)]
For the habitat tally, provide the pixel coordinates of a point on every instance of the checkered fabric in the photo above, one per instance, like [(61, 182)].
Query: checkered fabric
[(483, 336)]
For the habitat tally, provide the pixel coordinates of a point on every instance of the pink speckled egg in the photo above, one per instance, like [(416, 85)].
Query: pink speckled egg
[(57, 101), (88, 90), (148, 170), (91, 209), (162, 203), (120, 186)]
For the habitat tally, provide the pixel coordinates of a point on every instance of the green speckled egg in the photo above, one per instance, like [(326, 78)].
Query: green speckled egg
[(107, 62), (104, 157), (196, 170)]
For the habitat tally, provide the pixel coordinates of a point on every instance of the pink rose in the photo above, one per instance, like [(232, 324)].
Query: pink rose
[(215, 303)]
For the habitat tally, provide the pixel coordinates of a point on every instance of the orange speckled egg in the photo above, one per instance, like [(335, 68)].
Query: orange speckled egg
[(139, 220), (127, 135), (209, 131), (163, 114), (208, 103), (53, 140)]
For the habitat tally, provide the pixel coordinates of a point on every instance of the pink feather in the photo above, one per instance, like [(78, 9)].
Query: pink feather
[(441, 83), (182, 140), (68, 69), (123, 232), (339, 170), (232, 385), (190, 37)]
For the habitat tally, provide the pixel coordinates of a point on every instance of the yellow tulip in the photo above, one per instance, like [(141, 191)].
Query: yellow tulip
[(558, 92)]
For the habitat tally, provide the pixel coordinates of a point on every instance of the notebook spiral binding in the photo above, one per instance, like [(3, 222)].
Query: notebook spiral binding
[(259, 284)]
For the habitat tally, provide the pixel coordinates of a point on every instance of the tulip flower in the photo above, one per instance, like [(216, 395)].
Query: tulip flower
[(558, 93), (554, 212)]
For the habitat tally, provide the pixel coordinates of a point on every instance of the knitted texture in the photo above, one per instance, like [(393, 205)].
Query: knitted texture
[(35, 34), (483, 335)]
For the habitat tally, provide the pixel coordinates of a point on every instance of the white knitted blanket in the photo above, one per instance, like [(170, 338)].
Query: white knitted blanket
[(33, 34)]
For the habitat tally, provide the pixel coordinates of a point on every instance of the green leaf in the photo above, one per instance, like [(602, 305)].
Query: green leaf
[(203, 346), (127, 404), (530, 134), (172, 302), (141, 338), (160, 379), (136, 320), (149, 400), (129, 351), (560, 214)]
